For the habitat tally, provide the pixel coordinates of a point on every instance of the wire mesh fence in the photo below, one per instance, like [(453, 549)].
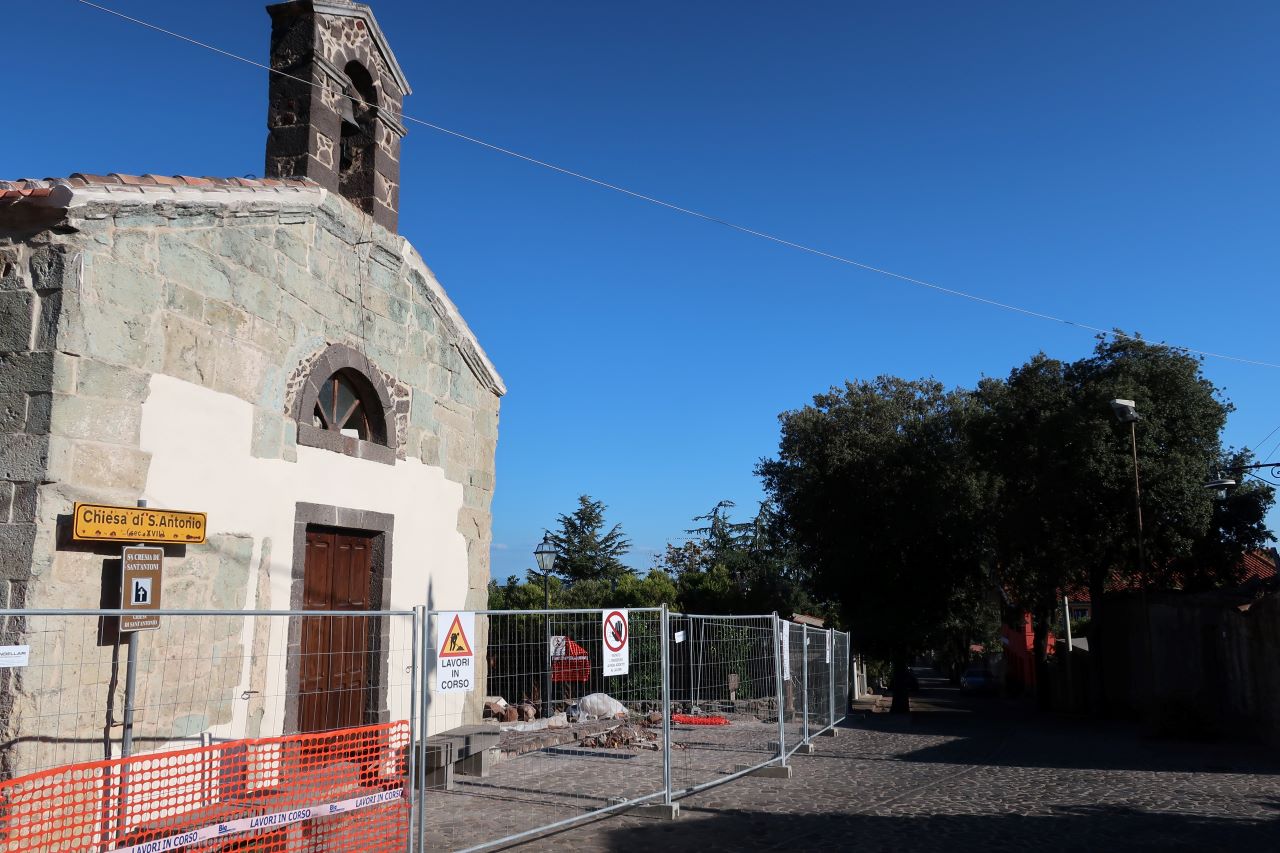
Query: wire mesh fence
[(818, 683), (843, 666), (387, 730), (794, 661), (724, 673), (273, 730), (559, 737)]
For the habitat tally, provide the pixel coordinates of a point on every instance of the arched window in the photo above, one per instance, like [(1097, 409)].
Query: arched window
[(342, 406)]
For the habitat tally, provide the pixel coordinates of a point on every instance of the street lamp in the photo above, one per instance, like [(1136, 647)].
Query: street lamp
[(1234, 473), (546, 554), (1127, 413)]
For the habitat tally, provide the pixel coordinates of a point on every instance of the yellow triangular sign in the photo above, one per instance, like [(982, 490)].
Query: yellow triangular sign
[(455, 644)]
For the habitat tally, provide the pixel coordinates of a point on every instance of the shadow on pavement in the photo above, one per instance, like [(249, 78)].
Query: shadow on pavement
[(999, 732), (1072, 829)]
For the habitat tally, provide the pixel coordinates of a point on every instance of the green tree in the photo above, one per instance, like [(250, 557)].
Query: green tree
[(878, 493), (587, 551), (1063, 508), (736, 567), (1023, 436)]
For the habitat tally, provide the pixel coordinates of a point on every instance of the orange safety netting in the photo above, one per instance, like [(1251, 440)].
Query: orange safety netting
[(338, 790), (691, 720)]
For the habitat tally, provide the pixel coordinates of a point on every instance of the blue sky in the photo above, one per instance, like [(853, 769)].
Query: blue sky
[(1113, 164)]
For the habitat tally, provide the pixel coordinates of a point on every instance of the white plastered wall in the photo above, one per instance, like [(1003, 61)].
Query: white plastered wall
[(199, 441)]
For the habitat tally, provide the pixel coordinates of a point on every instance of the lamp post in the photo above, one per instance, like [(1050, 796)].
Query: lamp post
[(546, 554), (1126, 412)]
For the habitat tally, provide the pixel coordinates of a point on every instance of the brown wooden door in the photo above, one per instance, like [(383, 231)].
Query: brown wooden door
[(335, 686)]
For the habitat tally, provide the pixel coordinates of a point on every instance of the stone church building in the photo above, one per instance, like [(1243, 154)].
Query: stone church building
[(267, 351)]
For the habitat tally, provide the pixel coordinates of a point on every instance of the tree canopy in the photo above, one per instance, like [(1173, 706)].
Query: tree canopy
[(912, 505), (878, 493), (589, 552)]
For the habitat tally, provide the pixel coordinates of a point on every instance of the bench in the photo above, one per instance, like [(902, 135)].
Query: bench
[(464, 750)]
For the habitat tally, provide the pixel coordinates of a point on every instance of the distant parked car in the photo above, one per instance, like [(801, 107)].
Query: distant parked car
[(977, 679)]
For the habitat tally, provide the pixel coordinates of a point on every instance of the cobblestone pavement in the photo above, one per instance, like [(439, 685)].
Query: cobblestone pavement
[(979, 774)]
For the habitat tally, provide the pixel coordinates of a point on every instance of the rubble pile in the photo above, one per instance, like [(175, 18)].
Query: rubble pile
[(624, 736)]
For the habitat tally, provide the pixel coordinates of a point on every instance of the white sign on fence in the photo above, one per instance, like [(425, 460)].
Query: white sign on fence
[(617, 639), (786, 651), (827, 643), (455, 652), (14, 656)]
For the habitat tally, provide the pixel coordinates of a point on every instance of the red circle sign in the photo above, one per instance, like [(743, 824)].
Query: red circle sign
[(615, 631)]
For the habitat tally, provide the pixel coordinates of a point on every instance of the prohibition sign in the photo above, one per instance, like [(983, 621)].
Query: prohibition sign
[(615, 632)]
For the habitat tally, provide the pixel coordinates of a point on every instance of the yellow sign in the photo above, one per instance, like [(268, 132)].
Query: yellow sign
[(96, 522)]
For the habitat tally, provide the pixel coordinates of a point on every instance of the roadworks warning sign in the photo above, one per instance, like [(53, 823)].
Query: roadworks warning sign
[(455, 652)]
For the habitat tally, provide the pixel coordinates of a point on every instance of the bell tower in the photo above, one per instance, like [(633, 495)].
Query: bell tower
[(341, 127)]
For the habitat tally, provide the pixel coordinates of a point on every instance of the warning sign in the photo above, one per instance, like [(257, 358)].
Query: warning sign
[(617, 635), (455, 652), (140, 586)]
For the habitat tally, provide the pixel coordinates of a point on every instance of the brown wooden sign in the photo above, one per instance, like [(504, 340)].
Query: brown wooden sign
[(140, 586), (102, 523)]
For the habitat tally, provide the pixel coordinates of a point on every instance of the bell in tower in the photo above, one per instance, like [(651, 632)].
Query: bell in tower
[(343, 130)]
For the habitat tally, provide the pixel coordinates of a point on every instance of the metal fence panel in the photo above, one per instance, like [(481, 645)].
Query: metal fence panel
[(818, 679), (724, 682), (260, 727), (582, 742), (793, 687), (842, 671)]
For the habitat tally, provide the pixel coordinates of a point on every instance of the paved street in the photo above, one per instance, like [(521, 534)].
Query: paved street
[(980, 774)]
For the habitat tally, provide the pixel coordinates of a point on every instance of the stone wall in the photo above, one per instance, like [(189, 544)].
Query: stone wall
[(233, 292), (234, 296), (33, 277)]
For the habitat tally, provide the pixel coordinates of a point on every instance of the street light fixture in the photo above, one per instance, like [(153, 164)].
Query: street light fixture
[(1234, 473), (546, 554)]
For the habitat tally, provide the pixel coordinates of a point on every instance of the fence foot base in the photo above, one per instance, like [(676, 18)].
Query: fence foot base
[(657, 811), (773, 771), (831, 732), (806, 749)]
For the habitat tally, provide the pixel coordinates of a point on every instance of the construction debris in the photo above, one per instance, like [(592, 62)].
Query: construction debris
[(622, 736), (600, 706)]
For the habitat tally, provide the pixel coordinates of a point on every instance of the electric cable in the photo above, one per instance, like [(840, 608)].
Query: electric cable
[(961, 294)]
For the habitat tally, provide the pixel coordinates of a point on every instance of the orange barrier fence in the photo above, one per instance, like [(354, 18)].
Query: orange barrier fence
[(334, 791)]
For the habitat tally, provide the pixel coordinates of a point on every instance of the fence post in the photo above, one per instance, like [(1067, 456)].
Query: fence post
[(804, 667), (422, 736), (411, 777), (666, 706), (781, 691), (831, 675)]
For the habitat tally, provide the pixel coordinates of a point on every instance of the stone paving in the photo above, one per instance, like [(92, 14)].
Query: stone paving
[(980, 774)]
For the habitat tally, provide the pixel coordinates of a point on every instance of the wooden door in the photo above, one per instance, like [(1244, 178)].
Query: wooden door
[(336, 683)]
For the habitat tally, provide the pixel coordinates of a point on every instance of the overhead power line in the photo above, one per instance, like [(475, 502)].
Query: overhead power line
[(973, 297)]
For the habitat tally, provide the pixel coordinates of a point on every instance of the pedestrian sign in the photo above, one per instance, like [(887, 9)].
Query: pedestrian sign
[(142, 569), (455, 652), (617, 635)]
